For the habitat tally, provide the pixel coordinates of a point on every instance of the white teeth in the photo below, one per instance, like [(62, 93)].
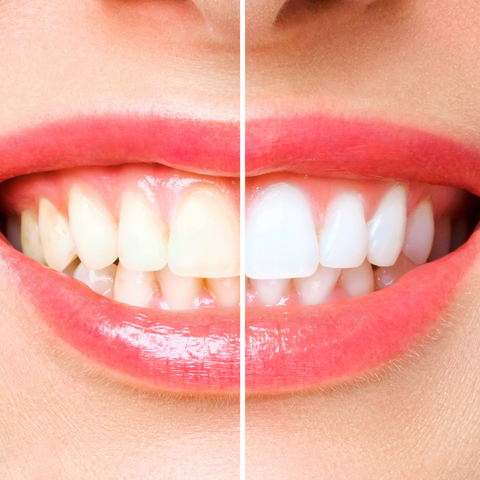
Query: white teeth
[(94, 230), (358, 281), (270, 292), (385, 276), (100, 281), (419, 233), (204, 237), (13, 233), (142, 237), (179, 292), (133, 287), (386, 229), (226, 290), (30, 234), (317, 288), (280, 235), (57, 242), (343, 240), (442, 239)]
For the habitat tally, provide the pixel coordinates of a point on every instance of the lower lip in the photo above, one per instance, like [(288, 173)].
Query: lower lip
[(299, 347), (175, 351)]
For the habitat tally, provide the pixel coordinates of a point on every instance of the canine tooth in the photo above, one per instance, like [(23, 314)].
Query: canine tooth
[(179, 292), (133, 287), (56, 239), (94, 230), (358, 281), (142, 236), (204, 237), (30, 236), (226, 290), (100, 281), (442, 239), (385, 276), (271, 291), (343, 240), (13, 233), (317, 288), (280, 235), (386, 229), (419, 233)]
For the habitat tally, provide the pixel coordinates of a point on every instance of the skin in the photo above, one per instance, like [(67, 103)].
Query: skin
[(62, 417), (415, 63)]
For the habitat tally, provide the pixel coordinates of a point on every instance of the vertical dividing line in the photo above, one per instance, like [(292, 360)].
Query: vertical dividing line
[(242, 239)]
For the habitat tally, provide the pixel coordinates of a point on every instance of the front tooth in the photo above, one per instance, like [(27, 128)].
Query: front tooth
[(442, 239), (133, 287), (280, 235), (419, 233), (226, 290), (204, 237), (13, 233), (271, 291), (358, 281), (100, 281), (317, 288), (179, 292), (56, 239), (142, 236), (386, 276), (94, 230), (386, 229), (343, 240), (30, 235)]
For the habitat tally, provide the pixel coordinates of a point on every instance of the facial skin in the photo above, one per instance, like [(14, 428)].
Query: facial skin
[(416, 64), (60, 416)]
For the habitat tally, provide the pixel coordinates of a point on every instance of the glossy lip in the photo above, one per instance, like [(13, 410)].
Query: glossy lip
[(299, 347), (175, 351)]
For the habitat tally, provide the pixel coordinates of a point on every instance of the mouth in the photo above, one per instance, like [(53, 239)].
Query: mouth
[(359, 235), (129, 230)]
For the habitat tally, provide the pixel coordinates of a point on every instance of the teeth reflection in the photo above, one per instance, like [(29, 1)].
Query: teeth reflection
[(270, 292), (317, 288)]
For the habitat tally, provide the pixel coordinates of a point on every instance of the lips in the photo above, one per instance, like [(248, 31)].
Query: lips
[(303, 346)]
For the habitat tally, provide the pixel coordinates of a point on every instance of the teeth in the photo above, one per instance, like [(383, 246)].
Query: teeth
[(442, 239), (100, 281), (317, 288), (280, 235), (386, 229), (270, 292), (204, 237), (142, 237), (13, 233), (133, 287), (358, 281), (94, 230), (343, 240), (70, 268), (57, 242), (30, 235), (226, 290), (385, 276), (419, 233), (179, 292)]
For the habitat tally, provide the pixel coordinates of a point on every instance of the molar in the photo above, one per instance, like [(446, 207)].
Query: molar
[(317, 288), (226, 290), (100, 281), (280, 235), (133, 287), (142, 237), (419, 233), (94, 230), (30, 236), (270, 291), (204, 237), (386, 229), (179, 292), (358, 281), (56, 239), (343, 239)]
